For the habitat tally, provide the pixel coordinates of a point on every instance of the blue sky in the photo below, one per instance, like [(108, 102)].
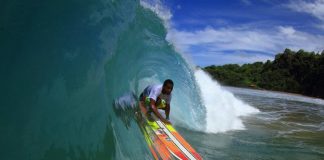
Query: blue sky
[(244, 31)]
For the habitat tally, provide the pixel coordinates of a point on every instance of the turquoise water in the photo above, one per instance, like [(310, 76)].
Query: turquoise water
[(66, 65), (62, 65)]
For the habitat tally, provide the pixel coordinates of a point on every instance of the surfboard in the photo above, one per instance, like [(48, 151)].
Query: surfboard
[(163, 140)]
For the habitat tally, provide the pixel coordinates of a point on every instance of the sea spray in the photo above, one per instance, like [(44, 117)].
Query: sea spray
[(223, 109)]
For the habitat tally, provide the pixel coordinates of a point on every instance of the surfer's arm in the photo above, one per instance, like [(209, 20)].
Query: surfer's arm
[(157, 112), (167, 111)]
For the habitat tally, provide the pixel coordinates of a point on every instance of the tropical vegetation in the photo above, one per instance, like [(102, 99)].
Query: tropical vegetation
[(296, 72)]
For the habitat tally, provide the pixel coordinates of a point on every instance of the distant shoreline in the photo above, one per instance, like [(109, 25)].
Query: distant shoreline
[(299, 73)]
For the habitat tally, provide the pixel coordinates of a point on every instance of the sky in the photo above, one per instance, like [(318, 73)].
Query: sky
[(217, 32)]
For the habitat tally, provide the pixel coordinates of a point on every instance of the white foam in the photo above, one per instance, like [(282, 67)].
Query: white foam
[(223, 109), (161, 10)]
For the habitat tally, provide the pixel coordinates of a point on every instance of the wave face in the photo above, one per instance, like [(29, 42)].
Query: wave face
[(66, 65)]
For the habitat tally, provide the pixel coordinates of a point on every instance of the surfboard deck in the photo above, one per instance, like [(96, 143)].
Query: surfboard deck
[(163, 140)]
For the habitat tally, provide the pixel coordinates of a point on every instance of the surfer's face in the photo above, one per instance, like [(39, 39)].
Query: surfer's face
[(167, 89)]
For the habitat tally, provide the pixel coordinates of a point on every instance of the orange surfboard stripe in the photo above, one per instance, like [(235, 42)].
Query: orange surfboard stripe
[(162, 143)]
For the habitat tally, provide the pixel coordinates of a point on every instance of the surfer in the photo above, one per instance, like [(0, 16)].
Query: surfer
[(156, 97)]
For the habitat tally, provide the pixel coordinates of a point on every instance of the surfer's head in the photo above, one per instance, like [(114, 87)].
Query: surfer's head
[(167, 86)]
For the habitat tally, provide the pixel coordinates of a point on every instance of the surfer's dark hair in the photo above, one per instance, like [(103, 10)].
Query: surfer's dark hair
[(168, 81)]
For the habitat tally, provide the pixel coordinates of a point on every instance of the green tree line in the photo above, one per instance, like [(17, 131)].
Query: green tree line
[(296, 72)]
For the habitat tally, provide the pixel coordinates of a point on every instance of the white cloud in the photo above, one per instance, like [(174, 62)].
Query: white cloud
[(320, 26), (315, 8), (216, 44), (289, 31), (241, 45)]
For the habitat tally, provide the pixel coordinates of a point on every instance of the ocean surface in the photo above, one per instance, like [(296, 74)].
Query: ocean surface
[(287, 127), (71, 72)]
